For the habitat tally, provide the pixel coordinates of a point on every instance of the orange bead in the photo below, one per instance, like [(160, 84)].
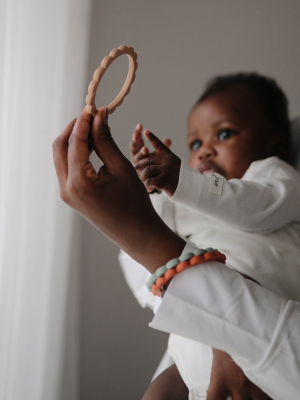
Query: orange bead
[(182, 266), (160, 282), (209, 256), (220, 257), (155, 290), (170, 274), (223, 258), (196, 260)]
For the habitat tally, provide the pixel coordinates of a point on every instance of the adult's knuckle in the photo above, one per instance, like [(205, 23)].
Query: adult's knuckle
[(71, 139), (56, 144), (76, 186), (104, 135), (64, 196), (210, 393), (72, 187)]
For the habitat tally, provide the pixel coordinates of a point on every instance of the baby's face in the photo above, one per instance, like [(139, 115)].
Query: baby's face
[(227, 132)]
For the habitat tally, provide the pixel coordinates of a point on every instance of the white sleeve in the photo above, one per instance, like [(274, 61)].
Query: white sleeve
[(264, 200), (215, 305), (136, 274)]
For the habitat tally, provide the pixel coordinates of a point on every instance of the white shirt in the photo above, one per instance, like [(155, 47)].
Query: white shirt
[(255, 221)]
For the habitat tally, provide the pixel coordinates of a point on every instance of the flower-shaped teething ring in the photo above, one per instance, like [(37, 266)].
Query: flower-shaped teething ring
[(93, 86)]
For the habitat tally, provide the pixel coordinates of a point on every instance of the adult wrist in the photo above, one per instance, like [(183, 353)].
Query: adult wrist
[(155, 246)]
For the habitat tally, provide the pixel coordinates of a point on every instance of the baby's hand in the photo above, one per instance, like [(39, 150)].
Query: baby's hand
[(159, 169), (137, 142), (227, 378)]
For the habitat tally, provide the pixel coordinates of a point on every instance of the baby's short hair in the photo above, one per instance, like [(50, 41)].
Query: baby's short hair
[(271, 97)]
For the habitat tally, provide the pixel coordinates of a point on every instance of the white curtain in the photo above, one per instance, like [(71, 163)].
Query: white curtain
[(43, 57)]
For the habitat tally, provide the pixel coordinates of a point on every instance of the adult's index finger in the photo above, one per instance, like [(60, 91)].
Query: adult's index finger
[(60, 152), (79, 153)]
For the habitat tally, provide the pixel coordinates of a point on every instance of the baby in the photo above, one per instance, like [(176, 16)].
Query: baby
[(237, 194)]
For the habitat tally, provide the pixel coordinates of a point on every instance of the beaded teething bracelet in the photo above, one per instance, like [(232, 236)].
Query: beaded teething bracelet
[(177, 265), (106, 62)]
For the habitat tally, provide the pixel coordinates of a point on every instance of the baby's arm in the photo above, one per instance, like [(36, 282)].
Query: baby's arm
[(263, 201)]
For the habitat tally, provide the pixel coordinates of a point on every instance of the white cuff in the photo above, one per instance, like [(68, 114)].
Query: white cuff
[(199, 304), (189, 186)]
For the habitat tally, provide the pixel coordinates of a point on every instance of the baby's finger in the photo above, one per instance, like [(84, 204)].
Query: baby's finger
[(151, 159), (140, 155), (149, 172), (156, 143), (154, 182), (167, 142), (137, 141)]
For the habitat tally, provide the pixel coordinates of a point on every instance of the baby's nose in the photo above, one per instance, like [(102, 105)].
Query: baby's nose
[(205, 152)]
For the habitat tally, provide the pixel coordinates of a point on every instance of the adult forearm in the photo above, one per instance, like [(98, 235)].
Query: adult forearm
[(151, 243)]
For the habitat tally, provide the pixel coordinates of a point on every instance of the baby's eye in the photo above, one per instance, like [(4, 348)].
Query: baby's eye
[(225, 134), (195, 145)]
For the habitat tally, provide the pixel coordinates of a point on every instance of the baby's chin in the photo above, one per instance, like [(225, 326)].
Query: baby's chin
[(209, 171), (209, 167)]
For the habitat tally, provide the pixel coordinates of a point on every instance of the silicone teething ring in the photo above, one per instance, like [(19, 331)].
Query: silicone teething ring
[(93, 86)]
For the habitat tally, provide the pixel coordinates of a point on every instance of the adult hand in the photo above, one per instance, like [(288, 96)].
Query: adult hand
[(113, 199), (227, 378)]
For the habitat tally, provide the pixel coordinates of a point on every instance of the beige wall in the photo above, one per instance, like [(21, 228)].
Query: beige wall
[(180, 44)]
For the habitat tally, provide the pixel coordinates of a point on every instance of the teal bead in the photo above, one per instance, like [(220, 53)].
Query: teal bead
[(151, 281), (171, 264), (209, 249), (148, 284), (199, 252), (160, 271), (186, 256)]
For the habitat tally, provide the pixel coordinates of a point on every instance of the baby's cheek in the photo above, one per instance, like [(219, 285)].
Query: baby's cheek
[(193, 161)]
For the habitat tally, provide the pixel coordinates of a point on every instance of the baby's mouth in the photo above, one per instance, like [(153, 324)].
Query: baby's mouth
[(208, 167), (208, 171)]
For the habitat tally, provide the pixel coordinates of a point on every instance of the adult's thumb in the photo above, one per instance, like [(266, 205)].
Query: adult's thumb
[(103, 143)]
